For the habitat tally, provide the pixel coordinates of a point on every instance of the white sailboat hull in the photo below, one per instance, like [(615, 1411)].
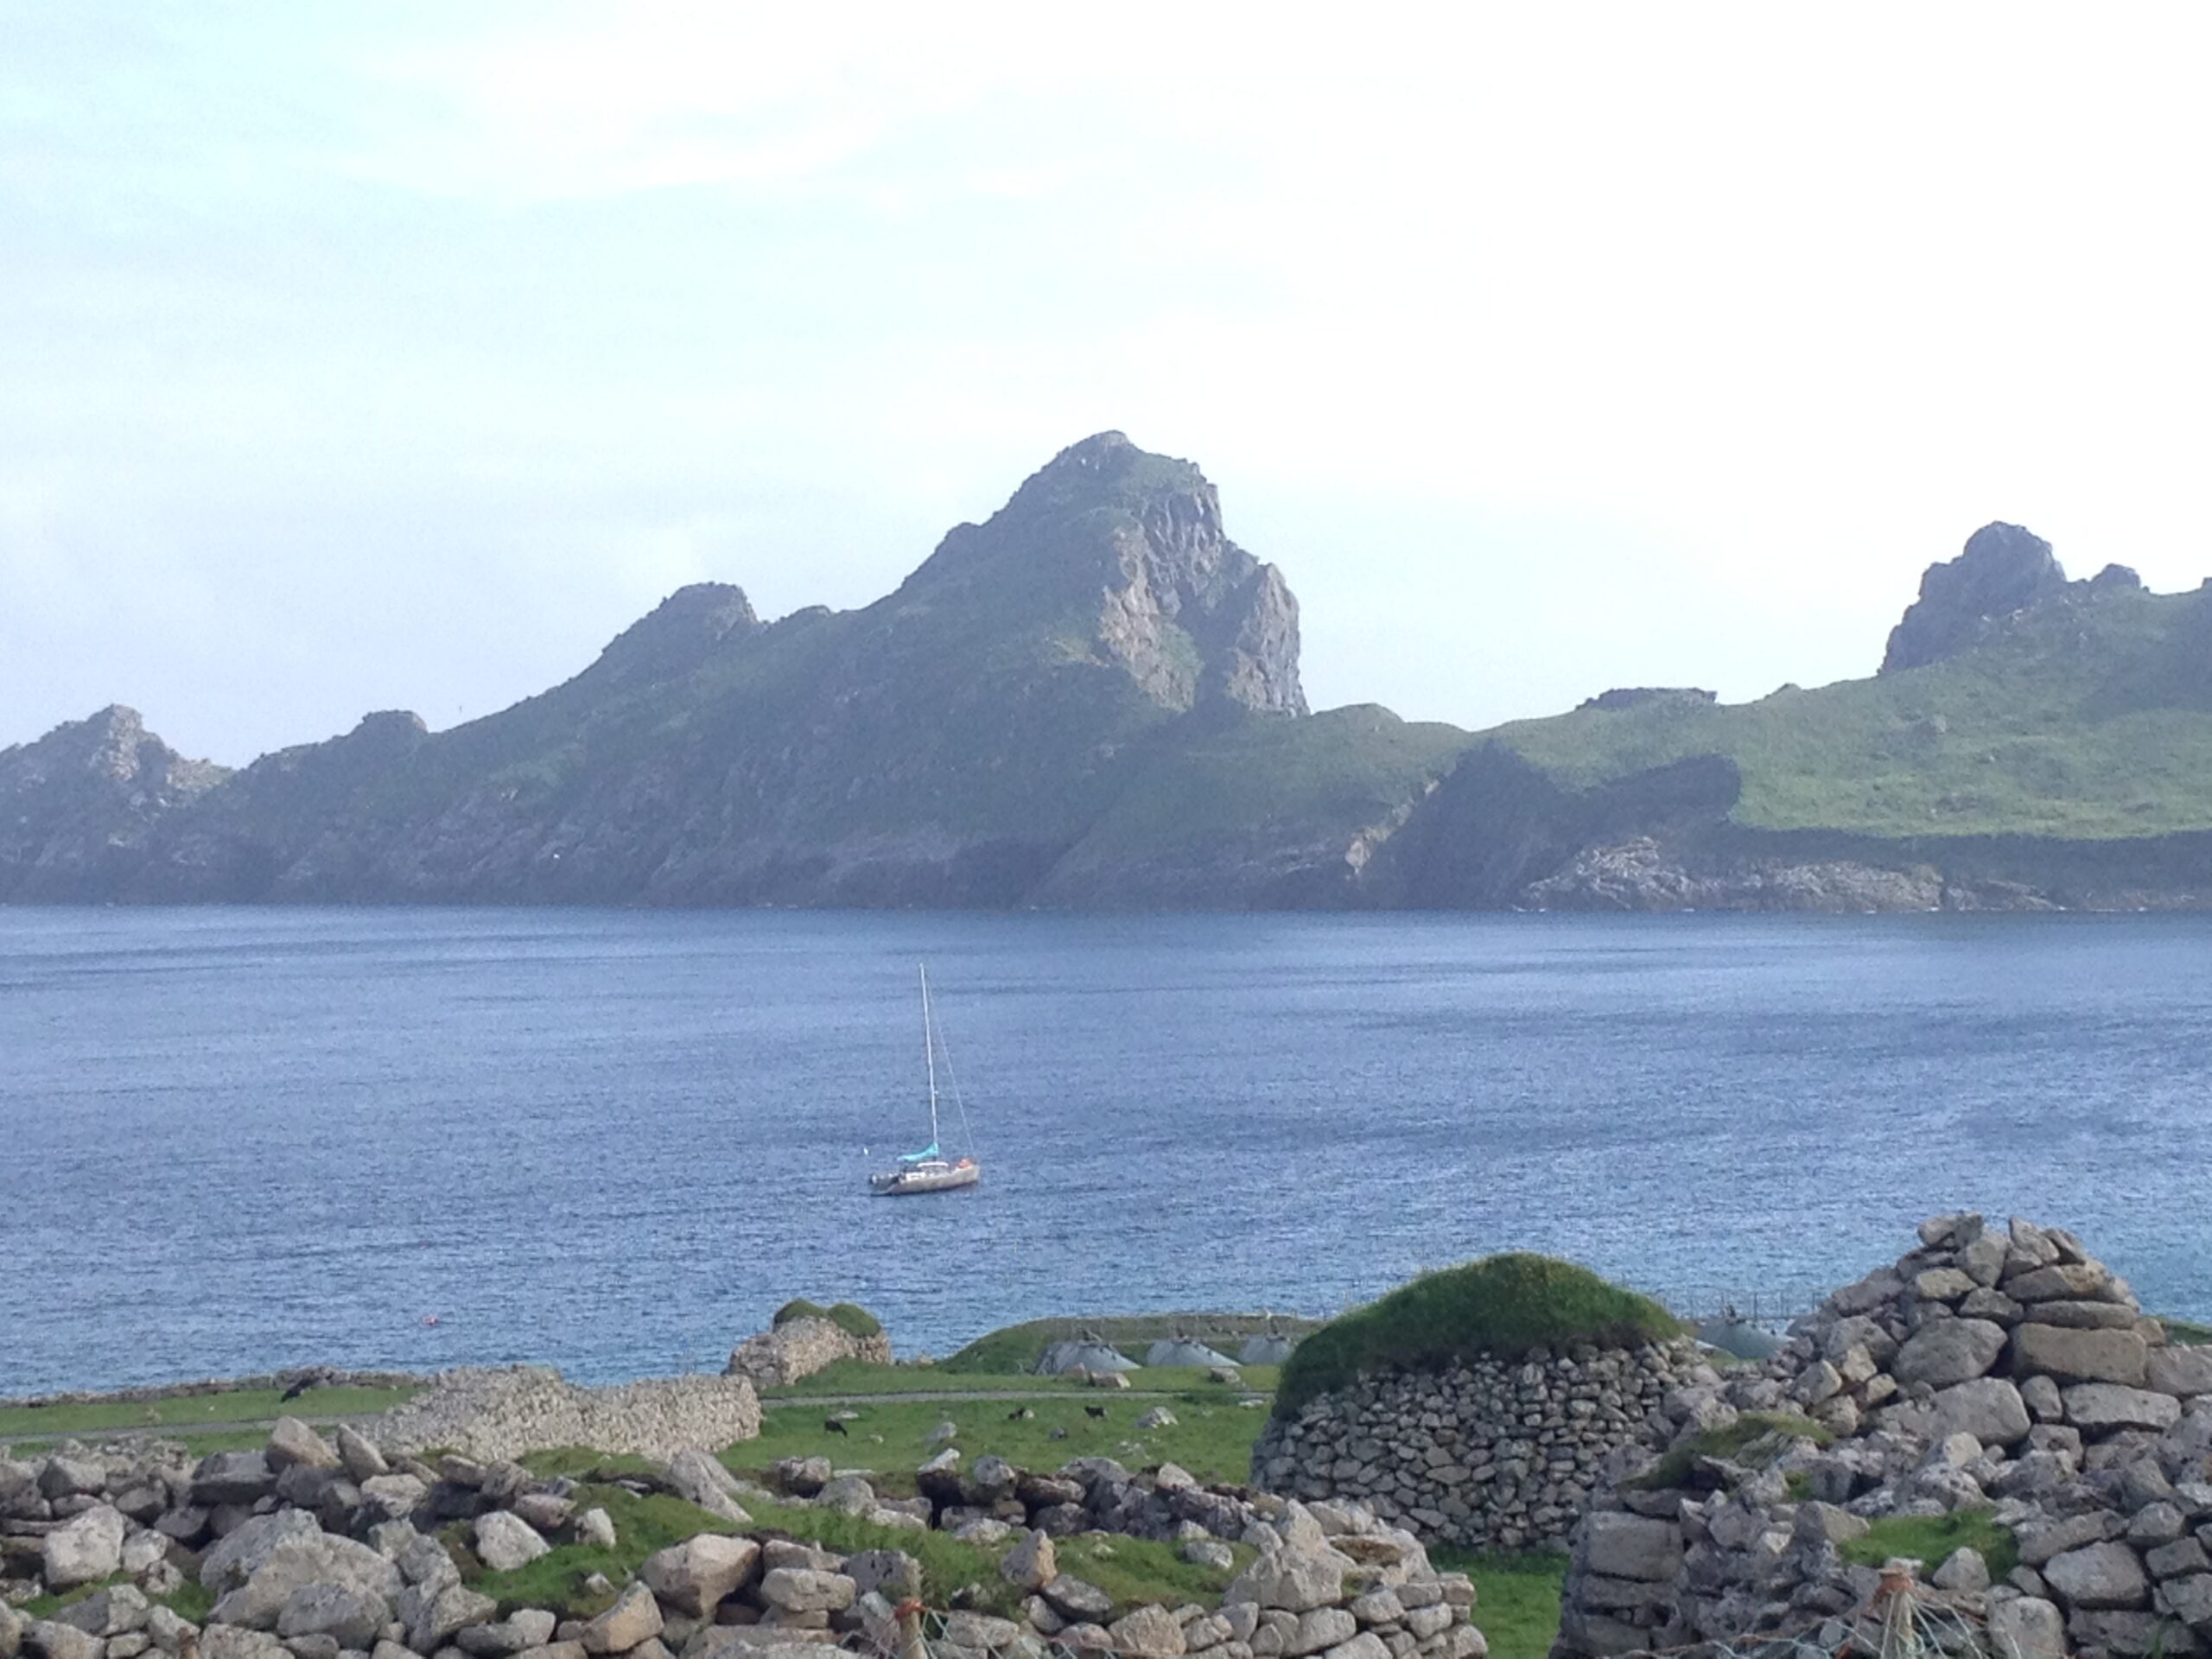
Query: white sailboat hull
[(927, 1177)]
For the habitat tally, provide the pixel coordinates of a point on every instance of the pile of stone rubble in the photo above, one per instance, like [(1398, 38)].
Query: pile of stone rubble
[(310, 1549), (2005, 1373)]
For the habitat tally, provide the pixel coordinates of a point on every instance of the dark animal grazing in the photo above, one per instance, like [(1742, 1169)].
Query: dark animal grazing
[(835, 1427), (1094, 1411), (1021, 1415), (296, 1389)]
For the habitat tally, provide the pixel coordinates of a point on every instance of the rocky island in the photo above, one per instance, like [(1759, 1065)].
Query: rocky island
[(1093, 699)]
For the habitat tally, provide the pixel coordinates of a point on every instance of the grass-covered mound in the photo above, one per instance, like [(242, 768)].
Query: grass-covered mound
[(850, 1316), (1017, 1348), (1503, 1305)]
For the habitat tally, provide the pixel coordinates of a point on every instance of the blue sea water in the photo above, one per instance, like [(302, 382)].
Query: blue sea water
[(232, 1139)]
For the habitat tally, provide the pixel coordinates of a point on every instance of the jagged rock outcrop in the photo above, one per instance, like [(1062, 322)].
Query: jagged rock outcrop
[(2004, 569), (79, 807)]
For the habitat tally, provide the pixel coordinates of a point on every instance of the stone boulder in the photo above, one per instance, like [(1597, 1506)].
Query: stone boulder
[(505, 1542), (85, 1549), (2080, 1355), (298, 1563), (292, 1443), (1948, 1351), (2004, 569), (696, 1576)]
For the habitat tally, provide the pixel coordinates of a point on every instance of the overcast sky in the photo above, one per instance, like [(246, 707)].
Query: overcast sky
[(398, 356)]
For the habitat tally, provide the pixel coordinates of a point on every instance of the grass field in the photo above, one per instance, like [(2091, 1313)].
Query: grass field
[(1516, 1598), (851, 1376), (1211, 1437), (181, 1414)]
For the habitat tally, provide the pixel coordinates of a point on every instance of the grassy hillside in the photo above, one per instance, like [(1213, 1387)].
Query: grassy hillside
[(2091, 718)]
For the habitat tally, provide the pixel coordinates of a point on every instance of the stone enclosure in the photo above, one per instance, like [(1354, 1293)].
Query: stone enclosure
[(1488, 1454)]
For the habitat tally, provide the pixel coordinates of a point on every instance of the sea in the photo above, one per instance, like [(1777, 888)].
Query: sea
[(237, 1139)]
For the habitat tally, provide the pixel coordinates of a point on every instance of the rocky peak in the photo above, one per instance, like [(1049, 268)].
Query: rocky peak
[(679, 632), (111, 749), (1135, 540), (2002, 571)]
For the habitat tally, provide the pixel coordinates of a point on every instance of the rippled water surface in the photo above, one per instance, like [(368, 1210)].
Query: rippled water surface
[(232, 1139)]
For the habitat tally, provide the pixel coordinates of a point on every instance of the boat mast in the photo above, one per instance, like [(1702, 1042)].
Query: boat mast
[(928, 1054)]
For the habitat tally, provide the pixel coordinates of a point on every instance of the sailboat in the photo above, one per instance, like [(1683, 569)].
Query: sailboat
[(929, 1170)]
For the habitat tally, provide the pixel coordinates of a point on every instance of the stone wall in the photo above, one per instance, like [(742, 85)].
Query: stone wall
[(1490, 1454), (312, 1550), (493, 1414), (801, 1347), (2005, 1372)]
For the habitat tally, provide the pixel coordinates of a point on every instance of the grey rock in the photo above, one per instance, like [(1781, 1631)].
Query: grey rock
[(702, 1480), (362, 1460), (595, 1527), (232, 1478), (2064, 1282), (350, 1618), (116, 1610), (292, 1443), (632, 1620), (1963, 1571), (1948, 1351), (297, 1562), (59, 1641), (695, 1576), (435, 1613), (2099, 1576), (2041, 1396), (1318, 1629), (1032, 1564), (2178, 1559), (2179, 1370), (1078, 1602), (394, 1497), (807, 1590), (1150, 1633), (2072, 1356), (85, 1549), (505, 1542), (2027, 1627), (229, 1564), (1989, 1408), (1631, 1546), (2101, 1408)]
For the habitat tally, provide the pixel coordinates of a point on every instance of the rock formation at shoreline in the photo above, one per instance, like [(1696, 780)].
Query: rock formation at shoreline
[(1093, 699)]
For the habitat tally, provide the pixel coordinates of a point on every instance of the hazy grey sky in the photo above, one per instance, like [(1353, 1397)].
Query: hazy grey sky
[(400, 355)]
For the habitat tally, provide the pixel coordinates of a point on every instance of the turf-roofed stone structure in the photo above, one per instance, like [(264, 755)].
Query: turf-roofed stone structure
[(1995, 1405), (1476, 1405), (805, 1338)]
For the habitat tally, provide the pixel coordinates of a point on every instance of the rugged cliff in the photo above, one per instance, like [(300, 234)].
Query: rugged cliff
[(952, 744), (1092, 698)]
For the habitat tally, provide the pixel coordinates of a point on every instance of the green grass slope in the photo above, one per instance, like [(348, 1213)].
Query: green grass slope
[(2091, 718), (1503, 1305)]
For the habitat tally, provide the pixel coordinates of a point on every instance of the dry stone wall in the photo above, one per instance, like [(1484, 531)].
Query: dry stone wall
[(494, 1415), (1490, 1454), (2001, 1371), (311, 1550)]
